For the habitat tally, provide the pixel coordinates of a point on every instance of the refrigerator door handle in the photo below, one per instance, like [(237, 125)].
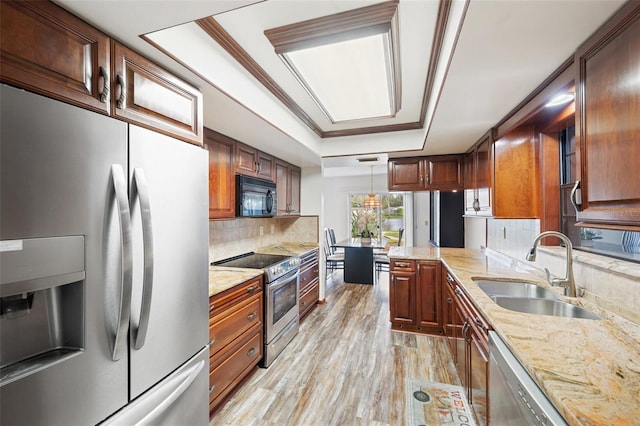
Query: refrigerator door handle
[(142, 189), (124, 310)]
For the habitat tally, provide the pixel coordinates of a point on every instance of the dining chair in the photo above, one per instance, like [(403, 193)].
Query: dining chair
[(332, 261), (381, 260)]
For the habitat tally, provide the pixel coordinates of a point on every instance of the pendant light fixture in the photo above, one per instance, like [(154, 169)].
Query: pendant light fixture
[(371, 202)]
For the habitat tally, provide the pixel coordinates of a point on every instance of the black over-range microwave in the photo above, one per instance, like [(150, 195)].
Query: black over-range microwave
[(255, 197)]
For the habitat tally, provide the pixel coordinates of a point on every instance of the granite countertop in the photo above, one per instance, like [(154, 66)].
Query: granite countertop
[(222, 278), (589, 369), (288, 248)]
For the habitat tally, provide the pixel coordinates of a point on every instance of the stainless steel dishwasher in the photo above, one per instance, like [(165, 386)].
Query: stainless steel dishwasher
[(514, 398)]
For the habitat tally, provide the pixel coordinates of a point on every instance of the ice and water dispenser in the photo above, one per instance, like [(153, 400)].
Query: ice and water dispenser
[(41, 303)]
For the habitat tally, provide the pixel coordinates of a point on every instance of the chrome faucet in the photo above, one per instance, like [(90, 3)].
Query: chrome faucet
[(568, 281)]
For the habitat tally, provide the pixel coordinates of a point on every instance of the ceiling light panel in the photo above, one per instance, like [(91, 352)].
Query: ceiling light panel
[(348, 63)]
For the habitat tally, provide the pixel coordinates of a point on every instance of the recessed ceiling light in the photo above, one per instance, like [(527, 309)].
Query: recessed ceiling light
[(560, 99), (348, 62)]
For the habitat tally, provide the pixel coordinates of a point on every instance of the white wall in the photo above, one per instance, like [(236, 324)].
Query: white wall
[(421, 215)]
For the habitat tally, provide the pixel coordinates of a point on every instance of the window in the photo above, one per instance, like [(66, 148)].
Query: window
[(385, 221)]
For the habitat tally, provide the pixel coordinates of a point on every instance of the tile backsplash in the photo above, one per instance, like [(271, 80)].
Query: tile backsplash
[(611, 283), (228, 238)]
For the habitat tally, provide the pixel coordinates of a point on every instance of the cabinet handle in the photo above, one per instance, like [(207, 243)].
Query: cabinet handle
[(479, 323), (211, 389), (450, 279), (123, 92), (421, 179), (104, 95), (449, 300), (458, 291), (428, 179), (465, 332), (252, 315), (576, 196), (212, 307), (251, 352), (212, 341), (252, 288), (402, 264)]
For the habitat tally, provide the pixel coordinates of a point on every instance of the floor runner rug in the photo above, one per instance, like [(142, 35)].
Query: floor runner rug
[(433, 404)]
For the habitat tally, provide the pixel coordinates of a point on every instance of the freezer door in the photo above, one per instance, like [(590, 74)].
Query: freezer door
[(180, 399), (56, 181), (169, 208)]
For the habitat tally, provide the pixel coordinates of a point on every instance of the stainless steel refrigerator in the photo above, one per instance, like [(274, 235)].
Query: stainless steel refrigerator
[(103, 269)]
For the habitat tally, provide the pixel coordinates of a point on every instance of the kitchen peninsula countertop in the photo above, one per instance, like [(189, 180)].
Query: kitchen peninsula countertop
[(589, 369)]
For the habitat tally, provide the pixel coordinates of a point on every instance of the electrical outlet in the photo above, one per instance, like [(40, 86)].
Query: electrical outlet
[(261, 231)]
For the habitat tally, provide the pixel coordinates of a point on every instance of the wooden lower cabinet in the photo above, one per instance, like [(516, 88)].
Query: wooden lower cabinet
[(309, 283), (470, 343), (414, 296), (235, 338)]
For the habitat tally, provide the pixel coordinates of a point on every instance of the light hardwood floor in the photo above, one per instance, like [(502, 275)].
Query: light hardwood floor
[(345, 367)]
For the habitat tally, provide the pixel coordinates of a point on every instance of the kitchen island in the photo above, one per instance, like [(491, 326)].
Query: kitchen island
[(589, 369)]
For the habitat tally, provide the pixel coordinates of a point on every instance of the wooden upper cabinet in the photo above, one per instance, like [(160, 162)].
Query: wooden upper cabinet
[(49, 51), (253, 162), (222, 194), (145, 94), (406, 174), (439, 172), (608, 121), (288, 188), (444, 172), (516, 191), (477, 178)]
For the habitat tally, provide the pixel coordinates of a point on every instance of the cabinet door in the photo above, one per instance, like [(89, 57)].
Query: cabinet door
[(246, 159), (222, 193), (444, 172), (282, 187), (608, 121), (478, 375), (49, 51), (402, 298), (145, 94), (428, 296), (516, 188), (266, 166), (406, 174), (449, 311), (294, 190)]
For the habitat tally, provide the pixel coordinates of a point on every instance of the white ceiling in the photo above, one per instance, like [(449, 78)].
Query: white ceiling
[(504, 50)]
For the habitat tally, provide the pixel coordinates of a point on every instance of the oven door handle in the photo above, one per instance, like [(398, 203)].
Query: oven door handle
[(284, 280)]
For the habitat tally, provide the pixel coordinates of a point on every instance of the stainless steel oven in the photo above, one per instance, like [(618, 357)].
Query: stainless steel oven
[(281, 314), (281, 295)]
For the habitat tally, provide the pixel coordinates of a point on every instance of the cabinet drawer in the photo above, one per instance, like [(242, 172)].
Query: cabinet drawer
[(403, 265), (225, 375), (225, 327), (310, 298), (308, 275), (227, 298)]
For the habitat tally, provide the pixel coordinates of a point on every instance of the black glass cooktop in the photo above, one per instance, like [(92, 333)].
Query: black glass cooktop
[(252, 260)]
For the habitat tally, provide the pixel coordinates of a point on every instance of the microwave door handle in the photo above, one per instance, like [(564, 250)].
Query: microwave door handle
[(269, 201), (124, 309), (142, 188)]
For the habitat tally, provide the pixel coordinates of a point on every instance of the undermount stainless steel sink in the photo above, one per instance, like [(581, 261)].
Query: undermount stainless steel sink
[(514, 289), (539, 306)]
